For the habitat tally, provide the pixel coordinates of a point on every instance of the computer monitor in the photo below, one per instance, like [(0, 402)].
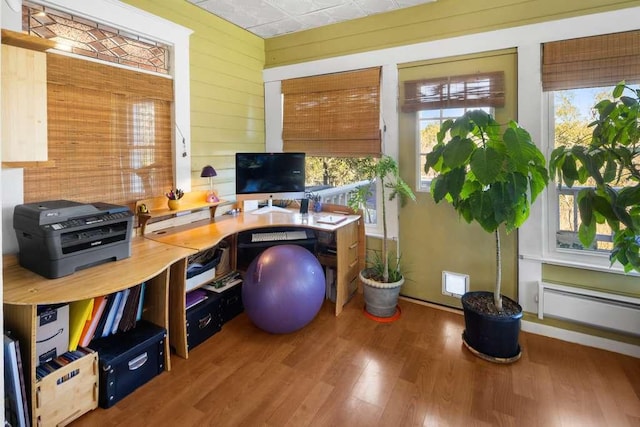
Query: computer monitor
[(270, 176)]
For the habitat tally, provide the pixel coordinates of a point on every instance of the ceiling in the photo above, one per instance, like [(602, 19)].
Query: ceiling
[(270, 18)]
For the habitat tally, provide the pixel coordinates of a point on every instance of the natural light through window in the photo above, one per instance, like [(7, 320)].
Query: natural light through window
[(429, 122), (572, 114)]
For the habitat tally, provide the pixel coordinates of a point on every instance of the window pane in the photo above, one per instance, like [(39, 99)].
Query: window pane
[(429, 122), (335, 179), (572, 114), (92, 39)]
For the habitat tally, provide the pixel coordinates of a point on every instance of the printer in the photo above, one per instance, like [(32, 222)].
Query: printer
[(59, 237)]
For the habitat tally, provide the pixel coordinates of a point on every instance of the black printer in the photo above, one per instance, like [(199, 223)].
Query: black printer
[(59, 237)]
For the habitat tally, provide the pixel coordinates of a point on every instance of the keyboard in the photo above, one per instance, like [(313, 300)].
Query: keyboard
[(276, 236)]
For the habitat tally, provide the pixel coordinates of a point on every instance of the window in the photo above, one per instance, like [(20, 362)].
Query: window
[(109, 134), (437, 100), (429, 122), (94, 40), (335, 120), (576, 75), (334, 179)]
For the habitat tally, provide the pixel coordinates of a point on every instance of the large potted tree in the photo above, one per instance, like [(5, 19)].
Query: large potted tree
[(609, 165), (490, 177), (382, 278)]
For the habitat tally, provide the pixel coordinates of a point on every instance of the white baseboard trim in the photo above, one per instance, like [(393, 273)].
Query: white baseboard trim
[(580, 338)]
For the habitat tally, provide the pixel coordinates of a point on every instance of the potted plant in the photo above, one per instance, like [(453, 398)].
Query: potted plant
[(382, 278), (490, 177), (610, 165), (173, 198)]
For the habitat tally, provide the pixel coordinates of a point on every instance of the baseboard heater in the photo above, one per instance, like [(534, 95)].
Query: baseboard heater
[(594, 308)]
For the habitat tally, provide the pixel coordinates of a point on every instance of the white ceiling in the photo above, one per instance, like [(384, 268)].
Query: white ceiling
[(270, 18)]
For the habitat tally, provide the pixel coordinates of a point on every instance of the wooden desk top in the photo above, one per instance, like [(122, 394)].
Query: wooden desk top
[(148, 258), (205, 234)]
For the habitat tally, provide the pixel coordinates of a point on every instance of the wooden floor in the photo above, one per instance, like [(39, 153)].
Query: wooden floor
[(352, 371)]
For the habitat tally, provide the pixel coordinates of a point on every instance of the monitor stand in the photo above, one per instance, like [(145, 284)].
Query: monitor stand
[(271, 209)]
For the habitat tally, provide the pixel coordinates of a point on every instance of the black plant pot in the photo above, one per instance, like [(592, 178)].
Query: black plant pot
[(491, 336)]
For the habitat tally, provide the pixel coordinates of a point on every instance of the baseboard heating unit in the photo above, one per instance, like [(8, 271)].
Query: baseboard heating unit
[(594, 308)]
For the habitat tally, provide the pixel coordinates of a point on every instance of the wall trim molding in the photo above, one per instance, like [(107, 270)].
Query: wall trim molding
[(580, 338)]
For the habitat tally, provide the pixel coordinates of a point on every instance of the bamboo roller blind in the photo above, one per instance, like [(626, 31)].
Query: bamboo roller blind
[(591, 61), (333, 114), (467, 91), (109, 133)]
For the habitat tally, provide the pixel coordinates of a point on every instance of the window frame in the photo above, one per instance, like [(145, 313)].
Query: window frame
[(551, 253), (426, 187)]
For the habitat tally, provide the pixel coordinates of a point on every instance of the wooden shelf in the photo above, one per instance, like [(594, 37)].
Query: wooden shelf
[(26, 41), (148, 259), (156, 208)]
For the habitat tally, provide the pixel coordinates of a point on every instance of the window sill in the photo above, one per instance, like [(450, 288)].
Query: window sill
[(602, 267)]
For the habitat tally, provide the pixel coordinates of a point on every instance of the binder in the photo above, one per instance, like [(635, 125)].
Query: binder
[(99, 304), (79, 313), (121, 305), (111, 316)]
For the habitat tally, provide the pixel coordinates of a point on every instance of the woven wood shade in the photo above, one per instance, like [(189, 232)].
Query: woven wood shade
[(591, 61), (468, 91), (333, 115), (109, 134)]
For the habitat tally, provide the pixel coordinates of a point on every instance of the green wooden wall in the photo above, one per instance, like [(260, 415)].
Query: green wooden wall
[(431, 21), (227, 94)]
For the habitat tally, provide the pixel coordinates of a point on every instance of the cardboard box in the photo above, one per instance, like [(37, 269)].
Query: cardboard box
[(52, 332)]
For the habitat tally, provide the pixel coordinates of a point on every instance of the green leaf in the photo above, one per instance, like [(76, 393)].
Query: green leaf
[(433, 158), (457, 152), (585, 204), (602, 205), (569, 170), (486, 164), (629, 196), (587, 234), (438, 188), (538, 181), (461, 127), (455, 180), (628, 101), (618, 90), (610, 171), (479, 117), (444, 128), (521, 149)]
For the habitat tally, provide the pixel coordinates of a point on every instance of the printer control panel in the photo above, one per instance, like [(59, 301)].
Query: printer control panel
[(90, 220)]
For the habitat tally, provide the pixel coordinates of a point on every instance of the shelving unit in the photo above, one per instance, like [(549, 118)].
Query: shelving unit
[(25, 290)]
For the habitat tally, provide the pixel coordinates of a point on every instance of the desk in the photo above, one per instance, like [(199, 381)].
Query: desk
[(202, 235)]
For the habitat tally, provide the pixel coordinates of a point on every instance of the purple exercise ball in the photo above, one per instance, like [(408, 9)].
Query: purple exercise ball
[(283, 289)]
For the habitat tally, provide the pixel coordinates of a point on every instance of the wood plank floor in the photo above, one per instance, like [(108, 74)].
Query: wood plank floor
[(352, 371)]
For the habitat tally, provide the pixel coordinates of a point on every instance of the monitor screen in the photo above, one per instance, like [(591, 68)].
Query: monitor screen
[(270, 176)]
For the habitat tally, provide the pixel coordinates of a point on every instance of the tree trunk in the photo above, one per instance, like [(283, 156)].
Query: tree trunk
[(497, 298), (385, 273)]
